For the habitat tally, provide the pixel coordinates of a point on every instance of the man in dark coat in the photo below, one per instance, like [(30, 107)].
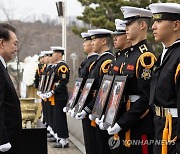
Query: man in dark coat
[(10, 113)]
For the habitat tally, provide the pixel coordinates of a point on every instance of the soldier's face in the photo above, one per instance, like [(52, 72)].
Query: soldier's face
[(9, 47), (120, 41), (132, 30), (87, 46), (97, 44), (41, 60), (162, 29)]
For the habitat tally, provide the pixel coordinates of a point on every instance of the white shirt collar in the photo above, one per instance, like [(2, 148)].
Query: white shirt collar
[(165, 50), (3, 61), (163, 53)]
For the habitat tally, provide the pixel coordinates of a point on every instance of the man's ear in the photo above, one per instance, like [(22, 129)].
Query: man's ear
[(1, 43), (176, 25), (103, 41), (143, 24)]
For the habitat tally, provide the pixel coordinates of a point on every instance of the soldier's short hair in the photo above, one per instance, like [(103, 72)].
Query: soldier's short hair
[(146, 20)]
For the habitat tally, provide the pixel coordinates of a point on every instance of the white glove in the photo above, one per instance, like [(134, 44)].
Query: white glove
[(103, 126), (72, 112), (43, 96), (69, 111), (114, 130), (5, 147), (39, 93), (65, 109), (81, 115), (99, 121), (92, 117), (49, 94)]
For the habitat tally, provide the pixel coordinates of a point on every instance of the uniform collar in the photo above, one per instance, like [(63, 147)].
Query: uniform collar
[(92, 55), (106, 52), (60, 61), (141, 46), (120, 52), (3, 61)]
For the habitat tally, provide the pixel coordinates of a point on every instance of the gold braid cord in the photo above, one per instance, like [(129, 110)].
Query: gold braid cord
[(141, 60), (105, 66), (93, 123), (62, 69), (167, 132), (91, 66), (51, 99), (128, 133), (177, 72)]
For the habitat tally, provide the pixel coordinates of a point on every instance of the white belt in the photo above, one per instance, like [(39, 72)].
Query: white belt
[(133, 98), (160, 111), (173, 112)]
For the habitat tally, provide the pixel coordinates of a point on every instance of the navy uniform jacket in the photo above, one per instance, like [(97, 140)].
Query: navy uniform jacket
[(139, 76), (61, 79), (10, 112), (116, 64), (38, 74), (85, 67), (99, 68), (165, 85), (46, 72)]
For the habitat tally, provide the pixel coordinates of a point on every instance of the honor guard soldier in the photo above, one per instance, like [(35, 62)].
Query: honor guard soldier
[(83, 72), (39, 69), (123, 46), (100, 41), (47, 87), (40, 91), (137, 119), (165, 85), (46, 102), (59, 96)]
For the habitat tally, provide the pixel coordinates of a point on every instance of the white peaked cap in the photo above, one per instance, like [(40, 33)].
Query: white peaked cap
[(165, 7), (130, 12), (165, 11), (57, 48), (120, 27), (99, 31), (120, 24), (85, 35)]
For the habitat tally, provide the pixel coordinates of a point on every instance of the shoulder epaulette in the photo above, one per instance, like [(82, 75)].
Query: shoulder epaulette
[(105, 65), (63, 69), (141, 61), (177, 72)]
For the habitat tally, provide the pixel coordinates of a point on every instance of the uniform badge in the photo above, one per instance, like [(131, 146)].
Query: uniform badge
[(63, 76), (130, 67), (146, 74), (116, 68)]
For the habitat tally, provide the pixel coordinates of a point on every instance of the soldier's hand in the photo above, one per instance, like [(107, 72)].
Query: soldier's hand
[(64, 109), (114, 130), (92, 117), (39, 93), (5, 147), (43, 96), (72, 112), (81, 115), (103, 126), (49, 94), (98, 121)]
